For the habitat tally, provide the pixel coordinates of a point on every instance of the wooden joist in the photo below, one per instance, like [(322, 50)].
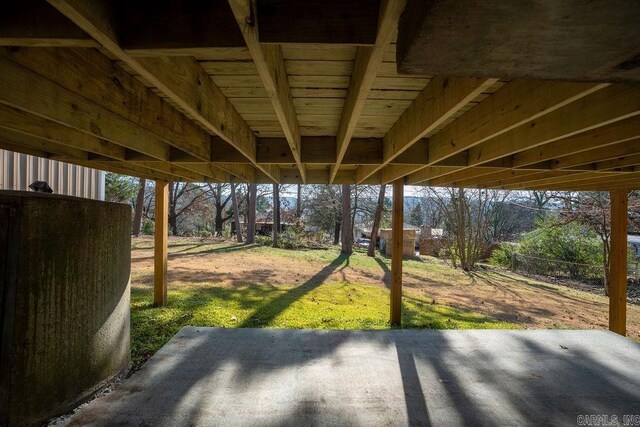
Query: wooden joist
[(36, 23), (269, 62), (437, 103), (614, 133), (513, 105), (30, 124), (318, 21), (181, 79), (605, 106), (595, 106), (25, 90), (366, 64)]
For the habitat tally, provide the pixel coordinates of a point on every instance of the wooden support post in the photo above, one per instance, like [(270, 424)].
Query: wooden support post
[(618, 263), (160, 249), (397, 234)]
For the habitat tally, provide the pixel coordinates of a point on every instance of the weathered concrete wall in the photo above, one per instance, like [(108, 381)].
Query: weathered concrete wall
[(65, 303)]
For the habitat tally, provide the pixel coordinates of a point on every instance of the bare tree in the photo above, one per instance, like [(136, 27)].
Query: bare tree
[(276, 214), (137, 217), (541, 199), (236, 212), (251, 214), (371, 251), (468, 214), (183, 197), (220, 200), (347, 233), (299, 202)]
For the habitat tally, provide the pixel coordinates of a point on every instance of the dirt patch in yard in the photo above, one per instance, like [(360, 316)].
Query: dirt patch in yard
[(495, 293)]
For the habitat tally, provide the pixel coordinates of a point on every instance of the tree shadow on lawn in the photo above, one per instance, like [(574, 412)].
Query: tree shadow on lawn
[(267, 312), (219, 250), (555, 291)]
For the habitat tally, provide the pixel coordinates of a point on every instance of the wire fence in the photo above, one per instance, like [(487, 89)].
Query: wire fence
[(571, 270)]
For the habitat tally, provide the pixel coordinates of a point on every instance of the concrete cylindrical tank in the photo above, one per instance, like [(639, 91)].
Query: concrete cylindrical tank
[(64, 294)]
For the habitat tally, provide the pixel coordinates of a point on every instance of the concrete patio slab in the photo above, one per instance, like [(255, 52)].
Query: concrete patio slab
[(209, 376)]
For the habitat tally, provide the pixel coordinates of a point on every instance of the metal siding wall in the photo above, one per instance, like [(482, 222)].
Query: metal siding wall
[(18, 170)]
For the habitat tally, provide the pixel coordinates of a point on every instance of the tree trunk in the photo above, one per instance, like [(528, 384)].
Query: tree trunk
[(251, 217), (347, 235), (219, 223), (276, 214), (353, 214), (137, 217), (336, 232), (607, 265), (173, 220), (236, 214), (299, 202), (371, 251)]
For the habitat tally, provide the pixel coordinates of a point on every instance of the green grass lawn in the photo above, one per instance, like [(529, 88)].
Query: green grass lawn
[(316, 304)]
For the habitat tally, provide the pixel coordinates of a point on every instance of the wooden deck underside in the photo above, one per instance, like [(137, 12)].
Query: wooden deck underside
[(217, 97)]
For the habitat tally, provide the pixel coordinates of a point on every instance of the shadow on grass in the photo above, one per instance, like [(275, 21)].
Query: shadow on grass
[(215, 250), (387, 272), (553, 290), (267, 312)]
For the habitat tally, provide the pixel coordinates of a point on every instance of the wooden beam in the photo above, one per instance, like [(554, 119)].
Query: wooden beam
[(318, 21), (130, 169), (436, 104), (36, 23), (618, 263), (496, 38), (554, 178), (187, 26), (61, 119), (621, 162), (397, 235), (366, 65), (623, 181), (246, 173), (467, 175), (512, 105), (100, 80), (25, 90), (591, 179), (605, 106), (598, 154), (428, 173), (126, 169), (518, 178), (393, 172), (56, 151), (269, 62), (181, 79), (602, 105), (23, 122), (160, 238), (322, 150), (614, 133)]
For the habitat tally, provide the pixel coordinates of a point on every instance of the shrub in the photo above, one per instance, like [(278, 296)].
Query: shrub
[(291, 238), (263, 240), (147, 227), (555, 249), (503, 256)]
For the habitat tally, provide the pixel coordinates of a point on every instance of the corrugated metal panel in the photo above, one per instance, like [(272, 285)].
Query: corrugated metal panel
[(18, 170)]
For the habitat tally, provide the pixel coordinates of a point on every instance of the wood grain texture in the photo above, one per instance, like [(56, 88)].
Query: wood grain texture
[(160, 239), (397, 234)]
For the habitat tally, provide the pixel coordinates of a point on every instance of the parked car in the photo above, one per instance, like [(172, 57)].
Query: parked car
[(362, 242)]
